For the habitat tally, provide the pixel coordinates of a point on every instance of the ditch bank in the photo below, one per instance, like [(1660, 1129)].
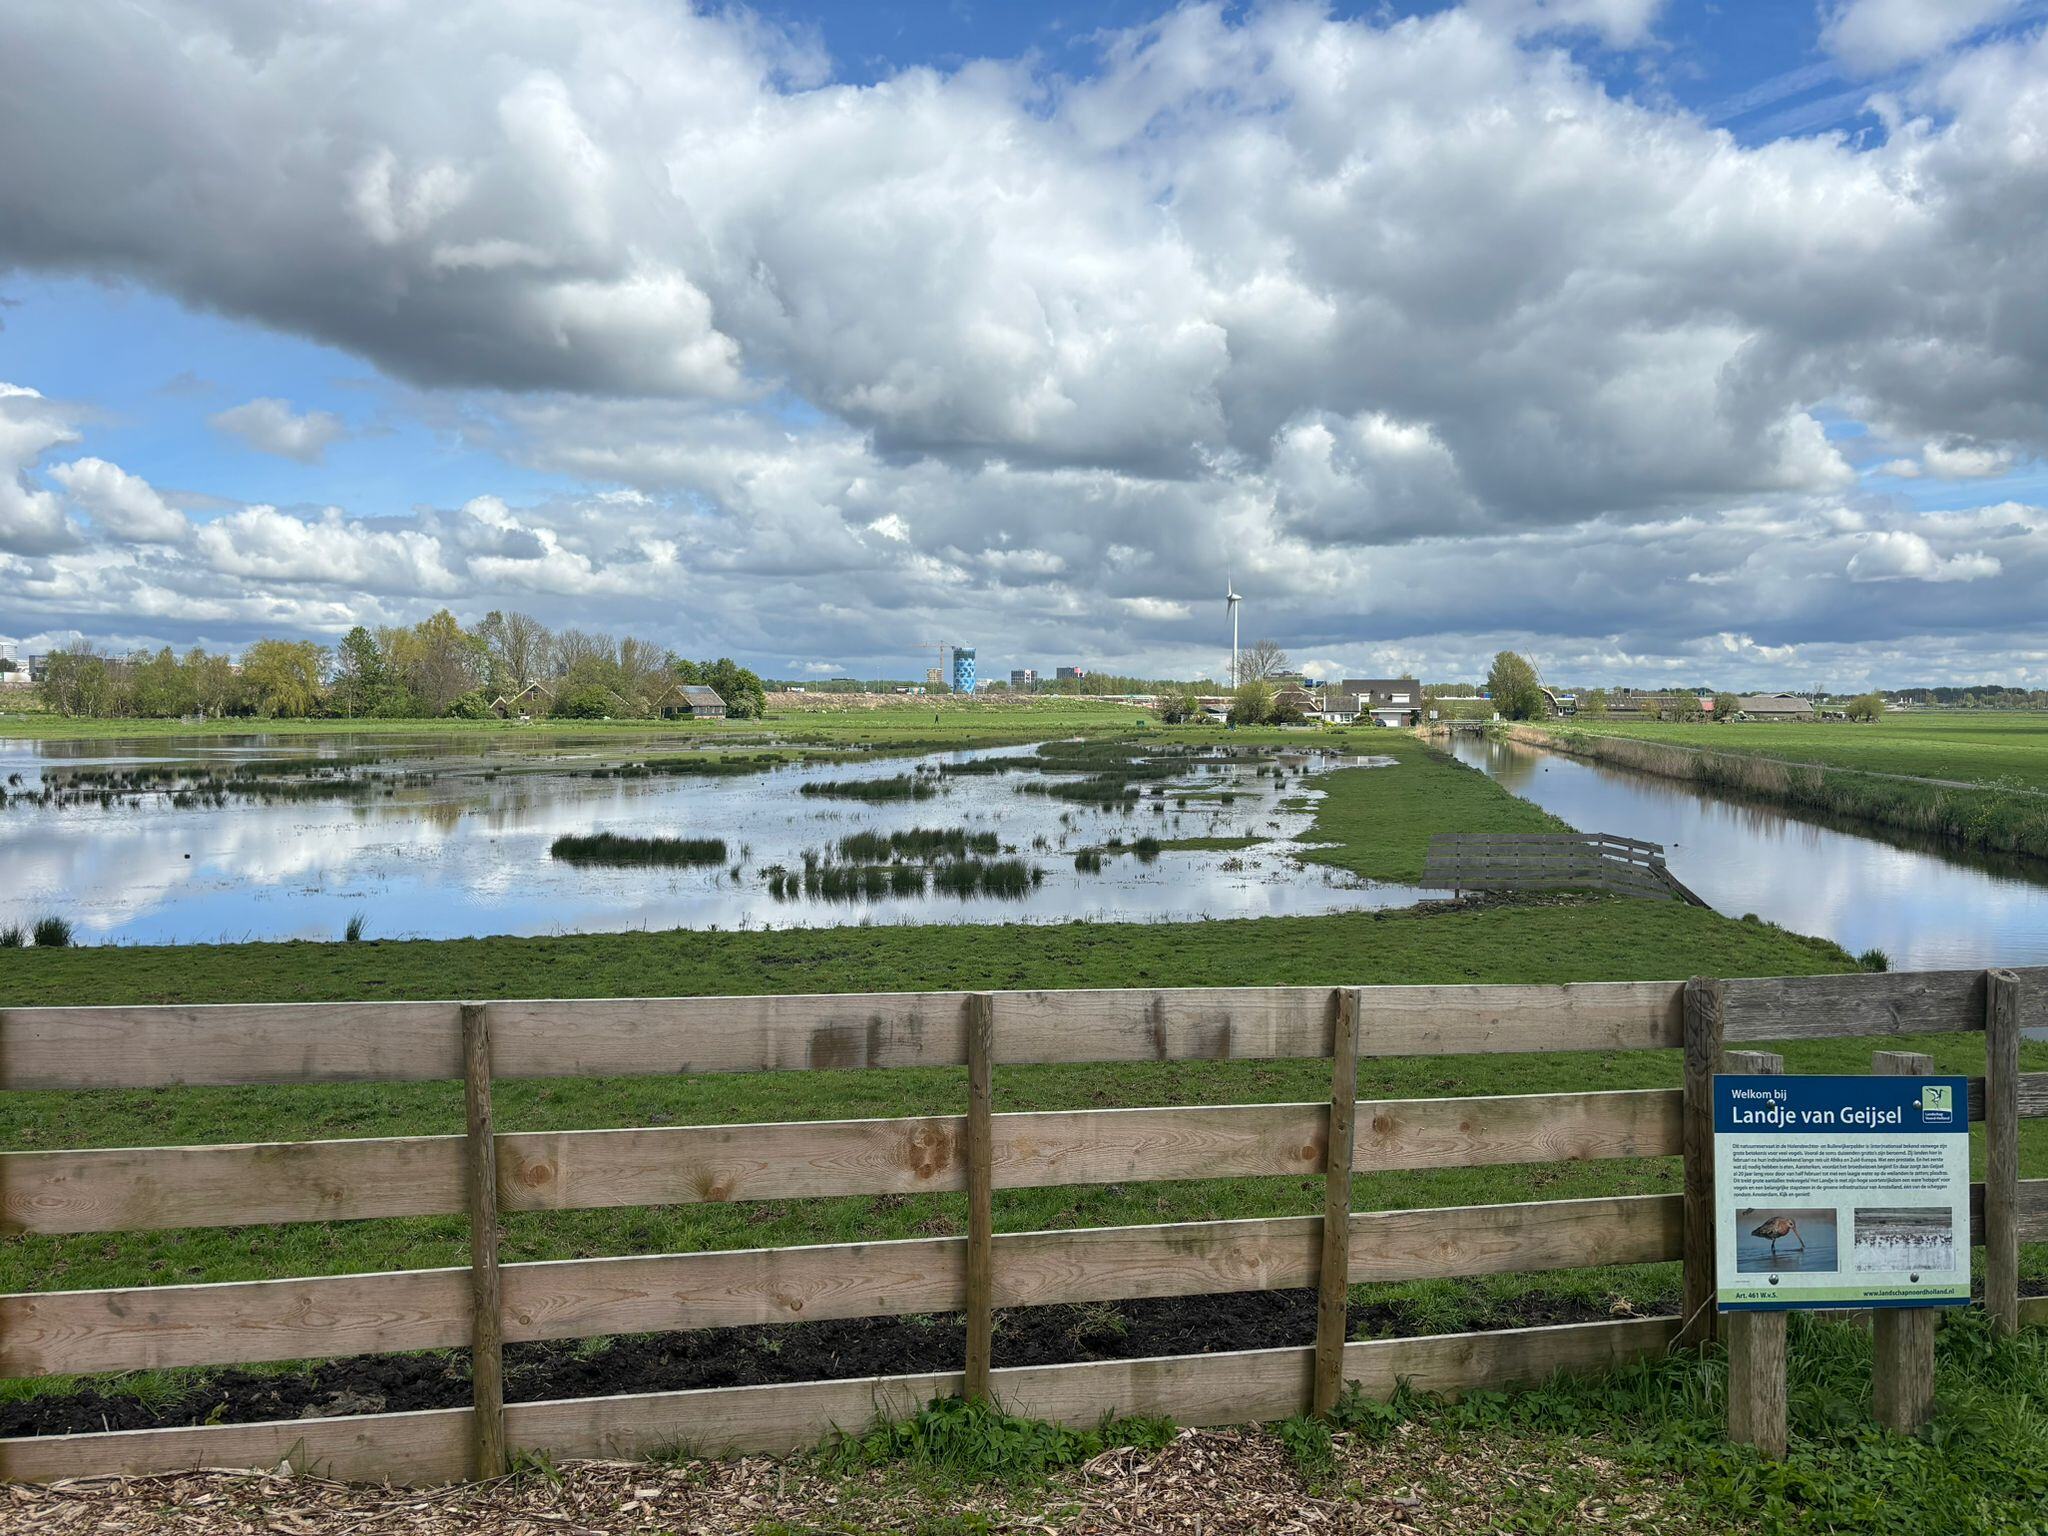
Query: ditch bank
[(1989, 819)]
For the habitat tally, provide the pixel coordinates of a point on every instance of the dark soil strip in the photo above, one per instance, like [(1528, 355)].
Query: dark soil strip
[(735, 1357)]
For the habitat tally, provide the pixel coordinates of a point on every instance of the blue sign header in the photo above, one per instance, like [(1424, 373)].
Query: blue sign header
[(1841, 1106)]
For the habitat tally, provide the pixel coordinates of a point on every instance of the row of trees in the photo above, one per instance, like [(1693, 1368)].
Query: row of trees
[(431, 670)]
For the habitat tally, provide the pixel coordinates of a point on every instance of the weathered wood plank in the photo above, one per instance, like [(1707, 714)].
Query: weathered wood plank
[(486, 1333), (111, 1047), (1396, 1134), (981, 1307), (161, 1046), (1705, 1007), (152, 1188), (1579, 1016), (75, 1332), (419, 1449), (1860, 1003), (1512, 1239), (2002, 1111), (1902, 1355), (1231, 1388), (142, 1189), (1333, 1292), (1757, 1350)]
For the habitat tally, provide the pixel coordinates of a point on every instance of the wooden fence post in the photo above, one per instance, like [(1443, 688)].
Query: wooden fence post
[(1333, 1281), (981, 1318), (1705, 1007), (1902, 1372), (1756, 1340), (487, 1325), (2002, 1149)]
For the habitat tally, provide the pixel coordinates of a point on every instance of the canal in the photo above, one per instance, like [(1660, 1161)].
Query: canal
[(1926, 905)]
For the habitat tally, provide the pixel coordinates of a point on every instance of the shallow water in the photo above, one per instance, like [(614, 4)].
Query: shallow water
[(1926, 905), (455, 843)]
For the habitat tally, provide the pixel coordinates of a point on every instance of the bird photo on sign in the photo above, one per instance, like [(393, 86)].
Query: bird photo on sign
[(1771, 1239)]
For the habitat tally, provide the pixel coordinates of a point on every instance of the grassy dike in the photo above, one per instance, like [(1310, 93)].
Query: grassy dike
[(2004, 817)]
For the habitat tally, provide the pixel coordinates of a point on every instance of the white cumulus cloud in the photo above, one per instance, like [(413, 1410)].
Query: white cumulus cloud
[(124, 505), (271, 426)]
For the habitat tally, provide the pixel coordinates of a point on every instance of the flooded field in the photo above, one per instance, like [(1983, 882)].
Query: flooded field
[(254, 837)]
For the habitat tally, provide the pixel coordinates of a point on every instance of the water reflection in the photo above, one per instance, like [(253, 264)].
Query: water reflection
[(1927, 906), (455, 840)]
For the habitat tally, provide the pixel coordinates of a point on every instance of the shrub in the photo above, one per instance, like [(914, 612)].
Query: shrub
[(12, 936), (52, 932), (589, 702)]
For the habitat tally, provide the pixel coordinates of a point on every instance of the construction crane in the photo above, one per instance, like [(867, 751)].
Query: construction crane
[(938, 648)]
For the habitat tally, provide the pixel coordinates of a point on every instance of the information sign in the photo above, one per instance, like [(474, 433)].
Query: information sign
[(1841, 1192)]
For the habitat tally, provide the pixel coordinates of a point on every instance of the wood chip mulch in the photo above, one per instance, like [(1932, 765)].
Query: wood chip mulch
[(1206, 1483)]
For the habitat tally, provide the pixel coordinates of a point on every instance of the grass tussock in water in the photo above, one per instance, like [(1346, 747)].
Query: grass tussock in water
[(844, 882), (987, 877), (979, 767), (611, 848), (904, 786), (925, 843), (1103, 791)]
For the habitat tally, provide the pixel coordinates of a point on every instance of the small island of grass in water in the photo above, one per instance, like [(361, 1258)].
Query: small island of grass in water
[(611, 848)]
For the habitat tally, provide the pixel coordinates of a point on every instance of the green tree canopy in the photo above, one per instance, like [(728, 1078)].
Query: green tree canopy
[(1517, 693)]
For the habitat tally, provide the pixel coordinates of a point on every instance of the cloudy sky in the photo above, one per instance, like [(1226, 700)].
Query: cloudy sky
[(1663, 340)]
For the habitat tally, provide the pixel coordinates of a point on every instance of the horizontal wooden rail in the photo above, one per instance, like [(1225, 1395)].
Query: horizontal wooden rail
[(1231, 1388), (1861, 1003), (233, 1043), (53, 1333), (152, 1188), (76, 1332), (140, 1189)]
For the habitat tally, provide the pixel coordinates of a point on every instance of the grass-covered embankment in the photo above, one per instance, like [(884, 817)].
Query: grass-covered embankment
[(1992, 749), (1377, 822), (2003, 817)]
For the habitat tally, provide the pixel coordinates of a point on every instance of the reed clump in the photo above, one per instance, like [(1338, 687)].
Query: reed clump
[(904, 786), (923, 843), (613, 848), (986, 877)]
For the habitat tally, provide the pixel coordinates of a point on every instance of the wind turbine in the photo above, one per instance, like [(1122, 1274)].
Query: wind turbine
[(1230, 602)]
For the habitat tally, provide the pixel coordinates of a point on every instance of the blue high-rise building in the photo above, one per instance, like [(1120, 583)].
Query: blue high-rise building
[(963, 669)]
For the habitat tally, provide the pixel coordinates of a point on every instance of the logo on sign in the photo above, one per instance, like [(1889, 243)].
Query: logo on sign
[(1937, 1104)]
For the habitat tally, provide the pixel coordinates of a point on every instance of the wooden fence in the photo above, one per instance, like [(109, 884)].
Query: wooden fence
[(485, 1172), (1537, 861)]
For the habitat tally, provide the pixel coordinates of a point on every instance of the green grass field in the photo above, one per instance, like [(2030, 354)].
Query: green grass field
[(938, 721), (1998, 750), (1377, 822)]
